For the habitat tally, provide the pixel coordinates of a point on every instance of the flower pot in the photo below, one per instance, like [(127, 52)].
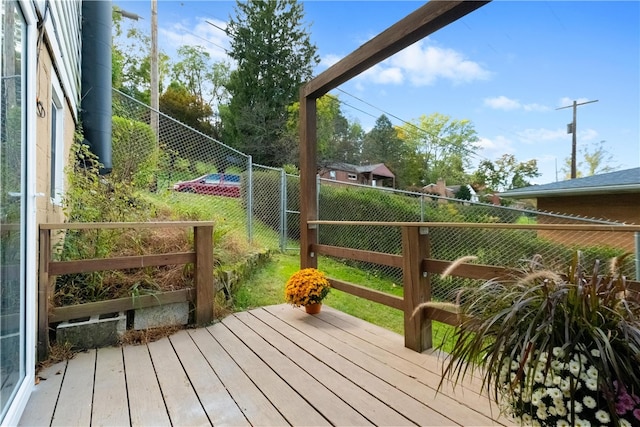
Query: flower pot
[(313, 308)]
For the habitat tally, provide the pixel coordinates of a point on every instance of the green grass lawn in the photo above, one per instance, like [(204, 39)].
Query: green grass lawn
[(266, 287)]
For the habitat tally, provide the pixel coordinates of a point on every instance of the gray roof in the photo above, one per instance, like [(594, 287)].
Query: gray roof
[(624, 181)]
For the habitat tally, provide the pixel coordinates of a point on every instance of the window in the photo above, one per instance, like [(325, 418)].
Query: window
[(352, 177), (332, 174), (57, 143)]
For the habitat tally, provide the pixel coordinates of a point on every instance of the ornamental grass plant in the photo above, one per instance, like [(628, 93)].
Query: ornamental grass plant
[(554, 349), (306, 286)]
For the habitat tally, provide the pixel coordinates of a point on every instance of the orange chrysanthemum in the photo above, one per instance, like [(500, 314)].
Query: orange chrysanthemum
[(306, 286)]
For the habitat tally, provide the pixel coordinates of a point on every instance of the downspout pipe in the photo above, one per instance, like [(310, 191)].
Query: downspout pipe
[(95, 106)]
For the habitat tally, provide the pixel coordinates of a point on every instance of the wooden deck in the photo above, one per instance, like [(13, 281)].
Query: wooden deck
[(270, 366)]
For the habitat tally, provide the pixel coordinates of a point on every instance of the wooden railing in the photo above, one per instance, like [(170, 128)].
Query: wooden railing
[(201, 295), (417, 267)]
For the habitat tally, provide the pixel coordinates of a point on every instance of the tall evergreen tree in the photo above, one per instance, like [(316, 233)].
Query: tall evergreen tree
[(274, 56)]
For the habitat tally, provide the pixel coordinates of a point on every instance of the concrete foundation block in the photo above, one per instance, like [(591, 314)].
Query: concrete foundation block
[(97, 331), (162, 315)]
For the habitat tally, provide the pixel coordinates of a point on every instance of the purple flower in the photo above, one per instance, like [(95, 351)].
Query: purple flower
[(636, 414)]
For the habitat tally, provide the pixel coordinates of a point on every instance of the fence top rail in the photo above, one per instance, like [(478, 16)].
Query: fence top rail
[(564, 227), (134, 225)]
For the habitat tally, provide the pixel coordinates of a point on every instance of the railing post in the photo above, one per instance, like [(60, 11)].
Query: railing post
[(43, 293), (417, 289), (203, 237)]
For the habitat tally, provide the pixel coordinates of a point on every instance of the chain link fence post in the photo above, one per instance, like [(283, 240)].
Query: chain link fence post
[(250, 199), (283, 210)]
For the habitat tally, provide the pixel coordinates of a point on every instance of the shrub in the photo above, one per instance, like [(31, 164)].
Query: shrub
[(554, 349), (135, 152)]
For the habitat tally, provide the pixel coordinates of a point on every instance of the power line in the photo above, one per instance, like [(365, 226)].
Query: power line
[(418, 128)]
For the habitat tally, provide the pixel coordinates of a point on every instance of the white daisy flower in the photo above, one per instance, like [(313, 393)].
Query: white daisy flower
[(582, 423), (592, 384), (562, 423), (603, 416), (554, 393), (541, 413), (589, 402), (592, 372), (574, 367), (595, 352), (558, 352), (624, 423)]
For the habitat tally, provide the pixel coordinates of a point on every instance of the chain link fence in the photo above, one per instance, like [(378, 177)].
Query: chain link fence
[(195, 176), (201, 178), (492, 246)]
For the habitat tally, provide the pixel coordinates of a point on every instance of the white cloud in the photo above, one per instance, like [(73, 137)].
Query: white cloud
[(534, 136), (382, 75), (493, 148), (212, 39), (328, 60), (565, 101), (587, 134), (423, 64), (507, 104), (502, 103)]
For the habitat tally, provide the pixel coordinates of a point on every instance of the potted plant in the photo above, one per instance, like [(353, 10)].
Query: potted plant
[(307, 287), (552, 349)]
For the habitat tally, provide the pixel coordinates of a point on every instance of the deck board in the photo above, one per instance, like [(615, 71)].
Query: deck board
[(146, 406), (318, 362), (290, 404), (110, 389), (359, 367), (404, 360), (268, 366), (303, 377), (255, 406), (45, 396), (76, 394), (180, 398), (216, 401)]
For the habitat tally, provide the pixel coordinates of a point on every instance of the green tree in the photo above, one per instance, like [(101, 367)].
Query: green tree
[(274, 56), (441, 147), (504, 174), (593, 162), (130, 59), (338, 139), (202, 78)]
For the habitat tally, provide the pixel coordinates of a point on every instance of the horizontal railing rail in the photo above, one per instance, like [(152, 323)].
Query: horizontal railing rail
[(418, 265), (201, 295)]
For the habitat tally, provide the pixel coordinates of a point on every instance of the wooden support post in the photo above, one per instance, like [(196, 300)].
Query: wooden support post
[(308, 188), (43, 293), (417, 289), (203, 237)]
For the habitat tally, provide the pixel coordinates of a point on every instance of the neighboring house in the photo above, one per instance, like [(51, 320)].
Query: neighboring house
[(377, 175), (450, 191), (41, 85), (613, 196)]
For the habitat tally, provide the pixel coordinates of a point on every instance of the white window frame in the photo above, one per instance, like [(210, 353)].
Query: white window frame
[(57, 143), (352, 177), (14, 412)]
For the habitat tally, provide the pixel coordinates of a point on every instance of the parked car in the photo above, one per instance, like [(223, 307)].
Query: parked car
[(214, 184)]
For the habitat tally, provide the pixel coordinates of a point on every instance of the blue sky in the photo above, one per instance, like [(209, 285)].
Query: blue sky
[(506, 67)]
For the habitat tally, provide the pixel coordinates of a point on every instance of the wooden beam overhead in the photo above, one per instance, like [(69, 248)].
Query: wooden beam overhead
[(424, 21)]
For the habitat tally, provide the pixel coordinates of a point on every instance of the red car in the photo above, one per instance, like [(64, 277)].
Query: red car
[(214, 184)]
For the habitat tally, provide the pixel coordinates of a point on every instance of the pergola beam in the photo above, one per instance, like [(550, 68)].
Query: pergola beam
[(424, 21)]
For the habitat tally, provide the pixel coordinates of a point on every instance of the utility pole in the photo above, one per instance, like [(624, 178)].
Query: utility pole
[(155, 97), (571, 128)]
